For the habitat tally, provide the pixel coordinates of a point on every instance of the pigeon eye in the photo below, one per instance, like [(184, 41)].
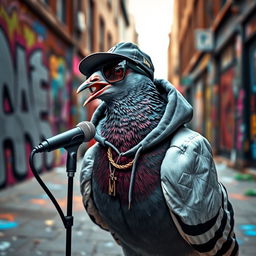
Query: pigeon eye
[(119, 72), (114, 72)]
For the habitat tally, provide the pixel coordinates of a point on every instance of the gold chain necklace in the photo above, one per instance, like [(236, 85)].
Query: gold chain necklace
[(118, 166), (112, 178)]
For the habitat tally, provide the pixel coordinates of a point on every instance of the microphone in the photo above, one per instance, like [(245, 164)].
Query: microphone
[(84, 131)]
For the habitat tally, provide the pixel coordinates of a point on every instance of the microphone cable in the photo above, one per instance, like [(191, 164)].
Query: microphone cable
[(45, 188)]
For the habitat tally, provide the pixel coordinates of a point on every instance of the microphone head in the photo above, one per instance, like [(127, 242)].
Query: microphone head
[(88, 129)]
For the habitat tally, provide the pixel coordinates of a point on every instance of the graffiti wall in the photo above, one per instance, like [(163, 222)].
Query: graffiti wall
[(239, 92), (227, 113), (211, 101), (36, 90), (253, 100)]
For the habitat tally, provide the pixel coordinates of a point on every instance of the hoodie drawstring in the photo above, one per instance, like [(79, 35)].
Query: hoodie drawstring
[(132, 177), (134, 163)]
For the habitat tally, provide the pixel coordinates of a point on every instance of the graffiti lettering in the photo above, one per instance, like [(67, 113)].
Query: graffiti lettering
[(23, 104)]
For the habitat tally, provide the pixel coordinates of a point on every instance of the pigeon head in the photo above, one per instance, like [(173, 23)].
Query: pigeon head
[(111, 75), (114, 80)]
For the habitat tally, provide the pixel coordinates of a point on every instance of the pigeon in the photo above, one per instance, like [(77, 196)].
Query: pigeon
[(150, 180)]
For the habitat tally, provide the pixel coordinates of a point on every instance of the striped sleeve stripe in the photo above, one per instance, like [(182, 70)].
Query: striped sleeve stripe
[(211, 243), (195, 230), (201, 233), (226, 247), (202, 237), (228, 244), (216, 238), (222, 234), (228, 228), (233, 248)]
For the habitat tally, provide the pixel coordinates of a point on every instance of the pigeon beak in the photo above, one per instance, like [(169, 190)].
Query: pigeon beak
[(97, 86), (83, 86)]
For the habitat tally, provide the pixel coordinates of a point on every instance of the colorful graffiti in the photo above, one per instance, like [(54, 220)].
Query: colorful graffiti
[(59, 92), (253, 100), (240, 122), (227, 106), (24, 101), (239, 94), (35, 84)]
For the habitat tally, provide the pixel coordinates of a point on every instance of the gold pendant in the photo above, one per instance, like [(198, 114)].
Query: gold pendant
[(112, 184)]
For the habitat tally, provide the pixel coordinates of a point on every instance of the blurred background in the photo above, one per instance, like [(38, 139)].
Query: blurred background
[(207, 49)]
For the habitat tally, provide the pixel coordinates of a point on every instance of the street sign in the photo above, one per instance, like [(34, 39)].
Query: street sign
[(204, 40)]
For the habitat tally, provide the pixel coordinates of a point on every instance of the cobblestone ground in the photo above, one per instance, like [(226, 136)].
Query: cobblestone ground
[(30, 226)]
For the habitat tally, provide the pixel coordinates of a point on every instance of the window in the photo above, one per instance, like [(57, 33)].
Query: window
[(61, 10)]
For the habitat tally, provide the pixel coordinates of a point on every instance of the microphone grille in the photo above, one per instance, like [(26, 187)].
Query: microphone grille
[(88, 129)]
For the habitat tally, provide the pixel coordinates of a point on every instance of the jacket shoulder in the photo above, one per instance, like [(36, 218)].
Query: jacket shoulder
[(187, 139), (189, 178)]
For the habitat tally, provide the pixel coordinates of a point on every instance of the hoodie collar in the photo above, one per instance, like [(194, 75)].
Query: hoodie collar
[(178, 112)]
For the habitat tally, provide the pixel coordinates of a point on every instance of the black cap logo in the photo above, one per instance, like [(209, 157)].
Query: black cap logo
[(146, 62), (112, 49)]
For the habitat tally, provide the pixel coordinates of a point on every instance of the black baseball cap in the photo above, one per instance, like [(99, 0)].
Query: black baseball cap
[(124, 50)]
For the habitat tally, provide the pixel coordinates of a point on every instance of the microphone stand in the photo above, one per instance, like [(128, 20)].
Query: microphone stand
[(67, 220), (71, 169)]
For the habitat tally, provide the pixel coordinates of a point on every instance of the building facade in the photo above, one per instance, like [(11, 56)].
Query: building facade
[(41, 44), (212, 59)]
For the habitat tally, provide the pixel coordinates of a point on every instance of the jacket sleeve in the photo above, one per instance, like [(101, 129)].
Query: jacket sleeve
[(86, 188), (198, 203)]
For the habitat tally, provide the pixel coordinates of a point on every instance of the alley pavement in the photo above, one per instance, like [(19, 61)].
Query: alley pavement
[(30, 225)]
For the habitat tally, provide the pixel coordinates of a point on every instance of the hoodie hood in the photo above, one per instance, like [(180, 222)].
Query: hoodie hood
[(177, 113)]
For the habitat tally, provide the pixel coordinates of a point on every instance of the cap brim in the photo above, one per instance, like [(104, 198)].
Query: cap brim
[(89, 64)]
